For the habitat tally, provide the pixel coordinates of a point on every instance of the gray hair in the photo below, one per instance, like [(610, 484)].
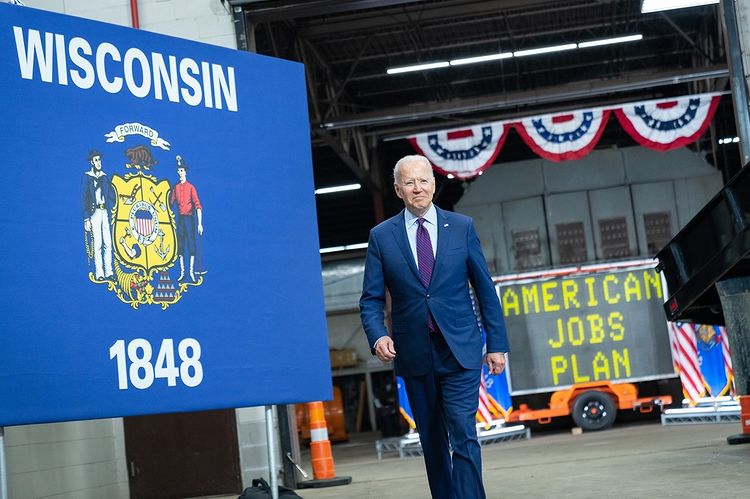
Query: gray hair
[(410, 159)]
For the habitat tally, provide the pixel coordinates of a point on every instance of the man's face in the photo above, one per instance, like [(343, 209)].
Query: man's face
[(181, 174), (96, 162), (416, 186)]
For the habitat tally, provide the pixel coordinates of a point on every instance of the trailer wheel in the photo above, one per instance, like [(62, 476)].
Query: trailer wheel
[(594, 410)]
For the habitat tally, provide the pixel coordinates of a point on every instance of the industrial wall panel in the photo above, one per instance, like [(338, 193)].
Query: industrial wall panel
[(655, 215), (692, 194), (570, 233), (645, 165), (526, 234), (612, 214), (483, 225), (603, 168), (504, 182), (488, 223)]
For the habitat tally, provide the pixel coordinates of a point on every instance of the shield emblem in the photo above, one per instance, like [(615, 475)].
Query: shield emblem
[(144, 228)]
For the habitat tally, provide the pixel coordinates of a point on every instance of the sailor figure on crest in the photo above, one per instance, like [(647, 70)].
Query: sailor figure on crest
[(98, 199)]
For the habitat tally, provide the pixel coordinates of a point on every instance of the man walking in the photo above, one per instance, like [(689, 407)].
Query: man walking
[(189, 211), (426, 258), (98, 198)]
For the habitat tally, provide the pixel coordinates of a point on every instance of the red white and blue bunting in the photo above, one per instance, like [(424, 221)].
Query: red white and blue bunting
[(668, 124), (462, 152), (661, 125), (564, 136)]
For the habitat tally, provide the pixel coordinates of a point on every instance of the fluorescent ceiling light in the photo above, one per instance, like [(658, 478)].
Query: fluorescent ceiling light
[(481, 58), (339, 188), (656, 5), (610, 41), (545, 50), (729, 140), (418, 67), (519, 53), (334, 249)]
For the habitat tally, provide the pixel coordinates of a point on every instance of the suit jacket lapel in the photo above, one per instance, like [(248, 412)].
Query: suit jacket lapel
[(444, 231), (399, 232)]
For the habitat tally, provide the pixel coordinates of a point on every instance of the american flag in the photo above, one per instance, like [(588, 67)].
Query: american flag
[(685, 354), (727, 358), (487, 411)]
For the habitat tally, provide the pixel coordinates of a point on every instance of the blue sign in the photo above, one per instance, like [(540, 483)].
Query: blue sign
[(157, 219)]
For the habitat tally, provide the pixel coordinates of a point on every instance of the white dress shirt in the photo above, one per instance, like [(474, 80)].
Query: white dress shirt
[(430, 223)]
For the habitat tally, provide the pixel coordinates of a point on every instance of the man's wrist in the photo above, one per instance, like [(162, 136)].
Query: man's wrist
[(375, 345)]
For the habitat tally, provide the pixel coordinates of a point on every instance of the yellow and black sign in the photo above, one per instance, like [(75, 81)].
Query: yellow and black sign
[(586, 327)]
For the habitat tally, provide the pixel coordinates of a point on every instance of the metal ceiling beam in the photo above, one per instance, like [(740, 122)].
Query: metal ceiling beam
[(591, 88), (279, 10), (497, 41), (335, 144), (447, 10)]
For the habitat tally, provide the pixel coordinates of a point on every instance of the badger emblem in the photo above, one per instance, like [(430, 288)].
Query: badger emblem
[(139, 157)]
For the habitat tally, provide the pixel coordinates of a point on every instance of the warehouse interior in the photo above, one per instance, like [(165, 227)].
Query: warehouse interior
[(361, 117), (487, 61)]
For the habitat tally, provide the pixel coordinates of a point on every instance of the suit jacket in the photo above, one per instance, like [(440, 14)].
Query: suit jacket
[(458, 262)]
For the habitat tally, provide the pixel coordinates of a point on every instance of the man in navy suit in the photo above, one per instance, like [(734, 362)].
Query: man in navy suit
[(436, 342)]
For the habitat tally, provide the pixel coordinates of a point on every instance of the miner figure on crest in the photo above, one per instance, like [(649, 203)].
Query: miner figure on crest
[(187, 208)]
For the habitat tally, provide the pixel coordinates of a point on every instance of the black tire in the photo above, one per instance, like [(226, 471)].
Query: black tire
[(594, 411)]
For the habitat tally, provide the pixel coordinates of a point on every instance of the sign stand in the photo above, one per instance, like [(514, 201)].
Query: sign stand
[(3, 468), (274, 481)]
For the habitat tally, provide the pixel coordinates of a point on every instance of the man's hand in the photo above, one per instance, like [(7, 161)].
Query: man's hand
[(495, 362), (384, 349)]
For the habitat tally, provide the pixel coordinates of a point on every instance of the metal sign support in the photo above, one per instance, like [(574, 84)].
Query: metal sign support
[(3, 467), (274, 479)]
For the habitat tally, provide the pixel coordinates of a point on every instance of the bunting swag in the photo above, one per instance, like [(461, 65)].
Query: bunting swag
[(668, 124), (462, 152), (565, 136), (660, 125)]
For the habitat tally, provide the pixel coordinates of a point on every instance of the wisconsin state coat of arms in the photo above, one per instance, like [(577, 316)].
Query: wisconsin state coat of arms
[(142, 234)]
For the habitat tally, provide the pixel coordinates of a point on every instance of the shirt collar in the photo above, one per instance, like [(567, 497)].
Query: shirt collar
[(430, 216)]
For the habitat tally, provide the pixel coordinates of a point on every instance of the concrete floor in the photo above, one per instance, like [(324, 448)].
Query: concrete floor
[(633, 460)]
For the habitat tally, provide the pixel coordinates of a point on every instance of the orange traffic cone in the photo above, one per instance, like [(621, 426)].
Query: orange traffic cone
[(744, 437), (324, 473)]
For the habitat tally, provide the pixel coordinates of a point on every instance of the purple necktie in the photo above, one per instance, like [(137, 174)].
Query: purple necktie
[(426, 262)]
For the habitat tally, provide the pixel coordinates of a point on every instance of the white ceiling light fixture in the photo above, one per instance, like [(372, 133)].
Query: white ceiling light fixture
[(348, 247), (338, 188), (545, 50), (418, 67), (729, 140), (648, 6), (610, 41), (519, 53), (481, 58)]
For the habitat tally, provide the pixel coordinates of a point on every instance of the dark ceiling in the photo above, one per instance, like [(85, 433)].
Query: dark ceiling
[(359, 115)]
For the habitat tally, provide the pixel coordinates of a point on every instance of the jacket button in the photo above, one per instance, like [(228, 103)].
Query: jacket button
[(428, 297)]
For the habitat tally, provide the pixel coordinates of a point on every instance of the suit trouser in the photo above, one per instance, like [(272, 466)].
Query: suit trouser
[(444, 403)]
